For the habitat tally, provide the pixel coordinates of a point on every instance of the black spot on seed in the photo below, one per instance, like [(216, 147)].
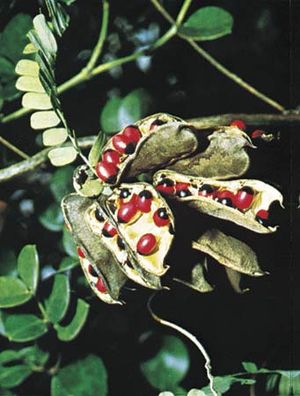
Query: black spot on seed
[(120, 243), (248, 190), (145, 194), (162, 213), (225, 201), (183, 193), (92, 271), (130, 148), (166, 183), (81, 177), (99, 215), (207, 188), (124, 193), (111, 180)]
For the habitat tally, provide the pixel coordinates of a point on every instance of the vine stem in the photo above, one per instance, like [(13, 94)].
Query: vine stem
[(210, 59), (13, 148), (37, 160), (191, 337)]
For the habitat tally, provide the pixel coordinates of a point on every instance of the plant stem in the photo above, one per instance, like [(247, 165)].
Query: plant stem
[(102, 36), (214, 62), (183, 10), (191, 337), (13, 148), (41, 157)]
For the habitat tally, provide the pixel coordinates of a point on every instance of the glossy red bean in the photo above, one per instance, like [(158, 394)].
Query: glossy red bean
[(111, 157), (132, 133), (225, 197), (244, 198), (146, 244), (108, 230), (161, 217), (120, 143), (106, 172), (144, 201), (101, 286), (238, 123), (80, 252), (127, 211)]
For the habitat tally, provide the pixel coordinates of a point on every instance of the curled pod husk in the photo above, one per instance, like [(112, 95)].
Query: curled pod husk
[(98, 264), (145, 222), (86, 183), (224, 158), (151, 143), (229, 252), (244, 202), (197, 280)]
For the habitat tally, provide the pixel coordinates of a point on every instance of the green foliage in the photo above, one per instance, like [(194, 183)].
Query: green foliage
[(52, 218), (57, 303), (69, 245), (23, 327), (118, 112), (13, 292), (96, 150), (86, 377), (12, 42), (28, 267), (61, 182), (69, 332), (169, 366), (207, 23)]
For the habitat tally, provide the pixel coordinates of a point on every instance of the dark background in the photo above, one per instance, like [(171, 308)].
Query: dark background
[(260, 326)]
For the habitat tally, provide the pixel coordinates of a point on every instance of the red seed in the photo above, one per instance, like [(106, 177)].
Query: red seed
[(257, 134), (206, 190), (127, 211), (263, 214), (92, 271), (225, 197), (106, 171), (111, 157), (120, 143), (132, 133), (161, 217), (108, 230), (144, 201), (243, 198), (166, 186), (101, 286), (146, 244), (181, 186), (238, 123), (80, 252)]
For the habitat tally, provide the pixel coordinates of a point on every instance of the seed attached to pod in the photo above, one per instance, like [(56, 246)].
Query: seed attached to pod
[(99, 215), (244, 198), (132, 133), (166, 186), (146, 244), (156, 123), (124, 193), (101, 286), (130, 148), (120, 243), (225, 197), (111, 157), (80, 252), (161, 217), (238, 123), (257, 134), (206, 190), (262, 216), (127, 211), (92, 271), (144, 201), (182, 190), (108, 230), (106, 172), (120, 143)]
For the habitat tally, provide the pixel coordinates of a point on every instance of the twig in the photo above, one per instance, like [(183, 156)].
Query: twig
[(102, 36), (191, 337), (38, 159), (214, 62), (13, 148), (183, 10)]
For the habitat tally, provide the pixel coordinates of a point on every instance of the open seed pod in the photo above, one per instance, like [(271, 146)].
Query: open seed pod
[(244, 202), (224, 158), (102, 225), (145, 222), (98, 264), (149, 144), (86, 183)]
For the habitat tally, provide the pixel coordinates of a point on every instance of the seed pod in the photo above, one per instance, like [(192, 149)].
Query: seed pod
[(86, 183), (148, 241), (98, 264), (197, 280), (138, 147), (229, 251), (224, 158), (118, 246), (254, 217)]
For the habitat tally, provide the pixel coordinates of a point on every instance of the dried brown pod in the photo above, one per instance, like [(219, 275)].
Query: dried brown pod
[(224, 158), (245, 202), (229, 251)]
